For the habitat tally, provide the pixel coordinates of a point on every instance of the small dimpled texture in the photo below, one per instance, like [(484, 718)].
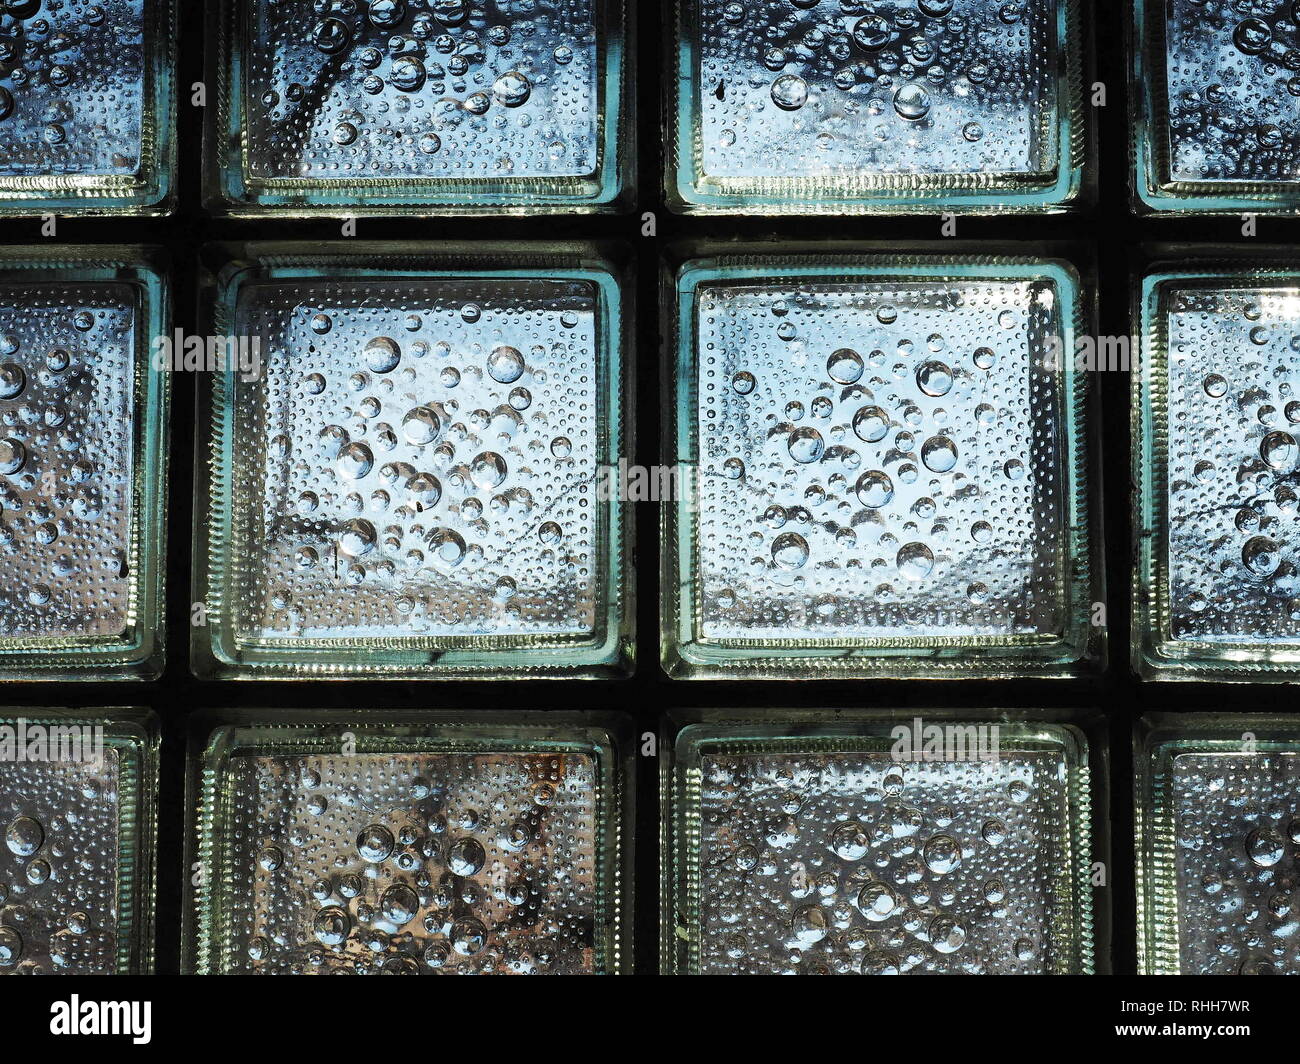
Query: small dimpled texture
[(879, 460), (353, 90), (1237, 830), (1233, 80), (408, 864), (847, 863), (71, 87), (1234, 408), (418, 460), (67, 388), (798, 88), (59, 867)]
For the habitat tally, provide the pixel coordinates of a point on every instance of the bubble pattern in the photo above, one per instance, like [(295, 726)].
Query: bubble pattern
[(410, 864), (853, 863), (72, 77), (67, 394), (59, 867), (870, 89), (1237, 842), (1233, 469), (348, 90), (879, 460), (419, 460), (1233, 80)]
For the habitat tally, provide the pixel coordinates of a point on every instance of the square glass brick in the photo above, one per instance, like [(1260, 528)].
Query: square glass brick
[(1218, 407), (393, 106), (413, 483), (82, 471), (888, 466), (807, 847), (1217, 125), (1218, 834), (78, 798), (86, 113), (828, 108), (435, 849)]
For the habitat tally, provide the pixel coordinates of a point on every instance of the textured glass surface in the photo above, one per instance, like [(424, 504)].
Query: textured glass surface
[(882, 461), (1237, 829), (1233, 75), (1217, 817), (1217, 125), (417, 470), (898, 100), (1219, 419), (84, 103), (81, 475), (59, 868), (76, 845), (72, 101), (331, 96), (885, 534), (803, 95), (802, 857), (465, 104), (67, 393), (1233, 406), (455, 858)]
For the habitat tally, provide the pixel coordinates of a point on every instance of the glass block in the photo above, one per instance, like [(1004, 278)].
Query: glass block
[(86, 106), (888, 470), (416, 481), (394, 106), (1216, 120), (78, 798), (894, 106), (1217, 408), (1218, 837), (440, 848), (82, 464), (815, 847)]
